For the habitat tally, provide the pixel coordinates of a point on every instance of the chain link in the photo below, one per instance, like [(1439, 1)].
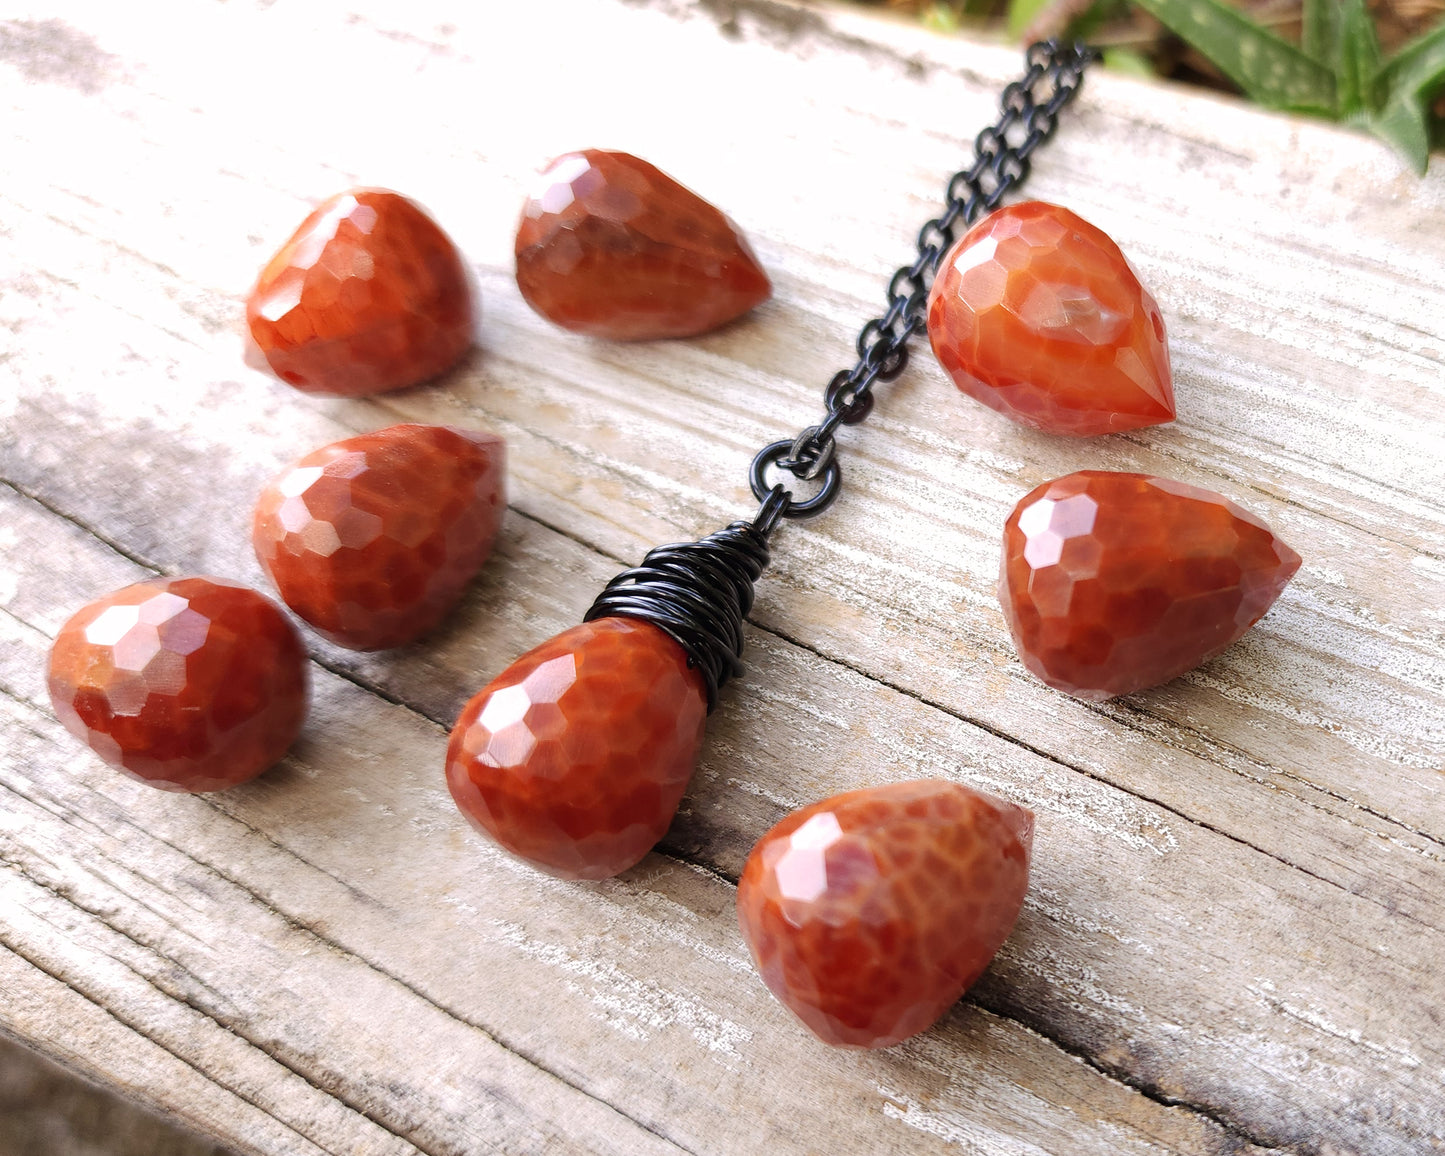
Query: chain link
[(1029, 109)]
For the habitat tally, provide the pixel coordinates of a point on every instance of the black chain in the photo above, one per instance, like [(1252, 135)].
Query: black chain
[(700, 592), (1029, 112)]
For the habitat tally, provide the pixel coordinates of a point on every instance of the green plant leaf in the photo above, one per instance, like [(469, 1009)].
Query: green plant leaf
[(1098, 14), (1320, 29), (1406, 84), (1404, 123), (940, 18), (1128, 61), (1418, 68), (1272, 71), (1021, 14), (1357, 61)]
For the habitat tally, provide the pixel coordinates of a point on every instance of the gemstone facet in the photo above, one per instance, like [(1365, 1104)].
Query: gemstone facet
[(1038, 315), (187, 684), (1113, 582), (870, 913), (576, 756), (374, 538), (611, 247), (368, 295)]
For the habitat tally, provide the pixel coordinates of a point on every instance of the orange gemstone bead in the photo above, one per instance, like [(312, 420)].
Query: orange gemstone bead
[(1038, 315), (187, 684), (374, 538), (368, 295), (870, 913), (1113, 582), (612, 247), (576, 756)]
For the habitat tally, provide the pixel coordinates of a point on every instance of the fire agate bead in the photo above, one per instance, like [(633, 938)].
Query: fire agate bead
[(576, 756), (1113, 582), (374, 538), (870, 913), (368, 295), (611, 247), (187, 684), (1038, 315)]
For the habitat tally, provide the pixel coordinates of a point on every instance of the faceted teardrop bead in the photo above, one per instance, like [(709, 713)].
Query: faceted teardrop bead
[(611, 247), (870, 913), (368, 295), (1113, 582), (1038, 315), (576, 756), (374, 538), (187, 684)]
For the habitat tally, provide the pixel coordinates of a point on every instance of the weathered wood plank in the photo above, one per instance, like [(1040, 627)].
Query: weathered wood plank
[(1238, 901)]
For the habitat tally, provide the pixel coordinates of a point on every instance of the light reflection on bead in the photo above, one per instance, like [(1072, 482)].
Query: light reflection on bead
[(1113, 582), (367, 295), (1038, 315), (611, 247), (576, 756), (187, 684), (870, 913), (373, 539)]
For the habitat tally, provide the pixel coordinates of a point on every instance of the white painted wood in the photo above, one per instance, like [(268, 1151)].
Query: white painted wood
[(1233, 935)]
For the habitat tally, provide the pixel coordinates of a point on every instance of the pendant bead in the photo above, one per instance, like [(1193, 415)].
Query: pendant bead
[(373, 539), (1038, 315), (612, 247), (869, 914), (1113, 582), (187, 684), (576, 756), (368, 295)]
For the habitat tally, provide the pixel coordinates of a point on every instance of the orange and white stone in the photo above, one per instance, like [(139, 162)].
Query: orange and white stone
[(870, 913), (576, 756), (610, 246), (373, 539), (367, 295), (1113, 582), (1037, 314)]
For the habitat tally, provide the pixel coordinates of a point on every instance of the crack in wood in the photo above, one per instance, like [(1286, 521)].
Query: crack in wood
[(15, 949), (1098, 778), (80, 524), (1149, 1091), (1123, 710), (306, 929)]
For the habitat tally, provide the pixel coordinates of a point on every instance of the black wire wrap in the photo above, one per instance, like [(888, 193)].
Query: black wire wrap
[(699, 592)]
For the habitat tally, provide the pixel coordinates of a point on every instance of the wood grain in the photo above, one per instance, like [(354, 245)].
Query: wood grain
[(1233, 937)]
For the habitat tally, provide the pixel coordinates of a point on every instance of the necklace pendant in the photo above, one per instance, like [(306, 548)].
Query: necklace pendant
[(576, 757)]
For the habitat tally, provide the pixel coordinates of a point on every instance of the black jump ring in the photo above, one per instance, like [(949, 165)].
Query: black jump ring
[(770, 513), (770, 455)]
